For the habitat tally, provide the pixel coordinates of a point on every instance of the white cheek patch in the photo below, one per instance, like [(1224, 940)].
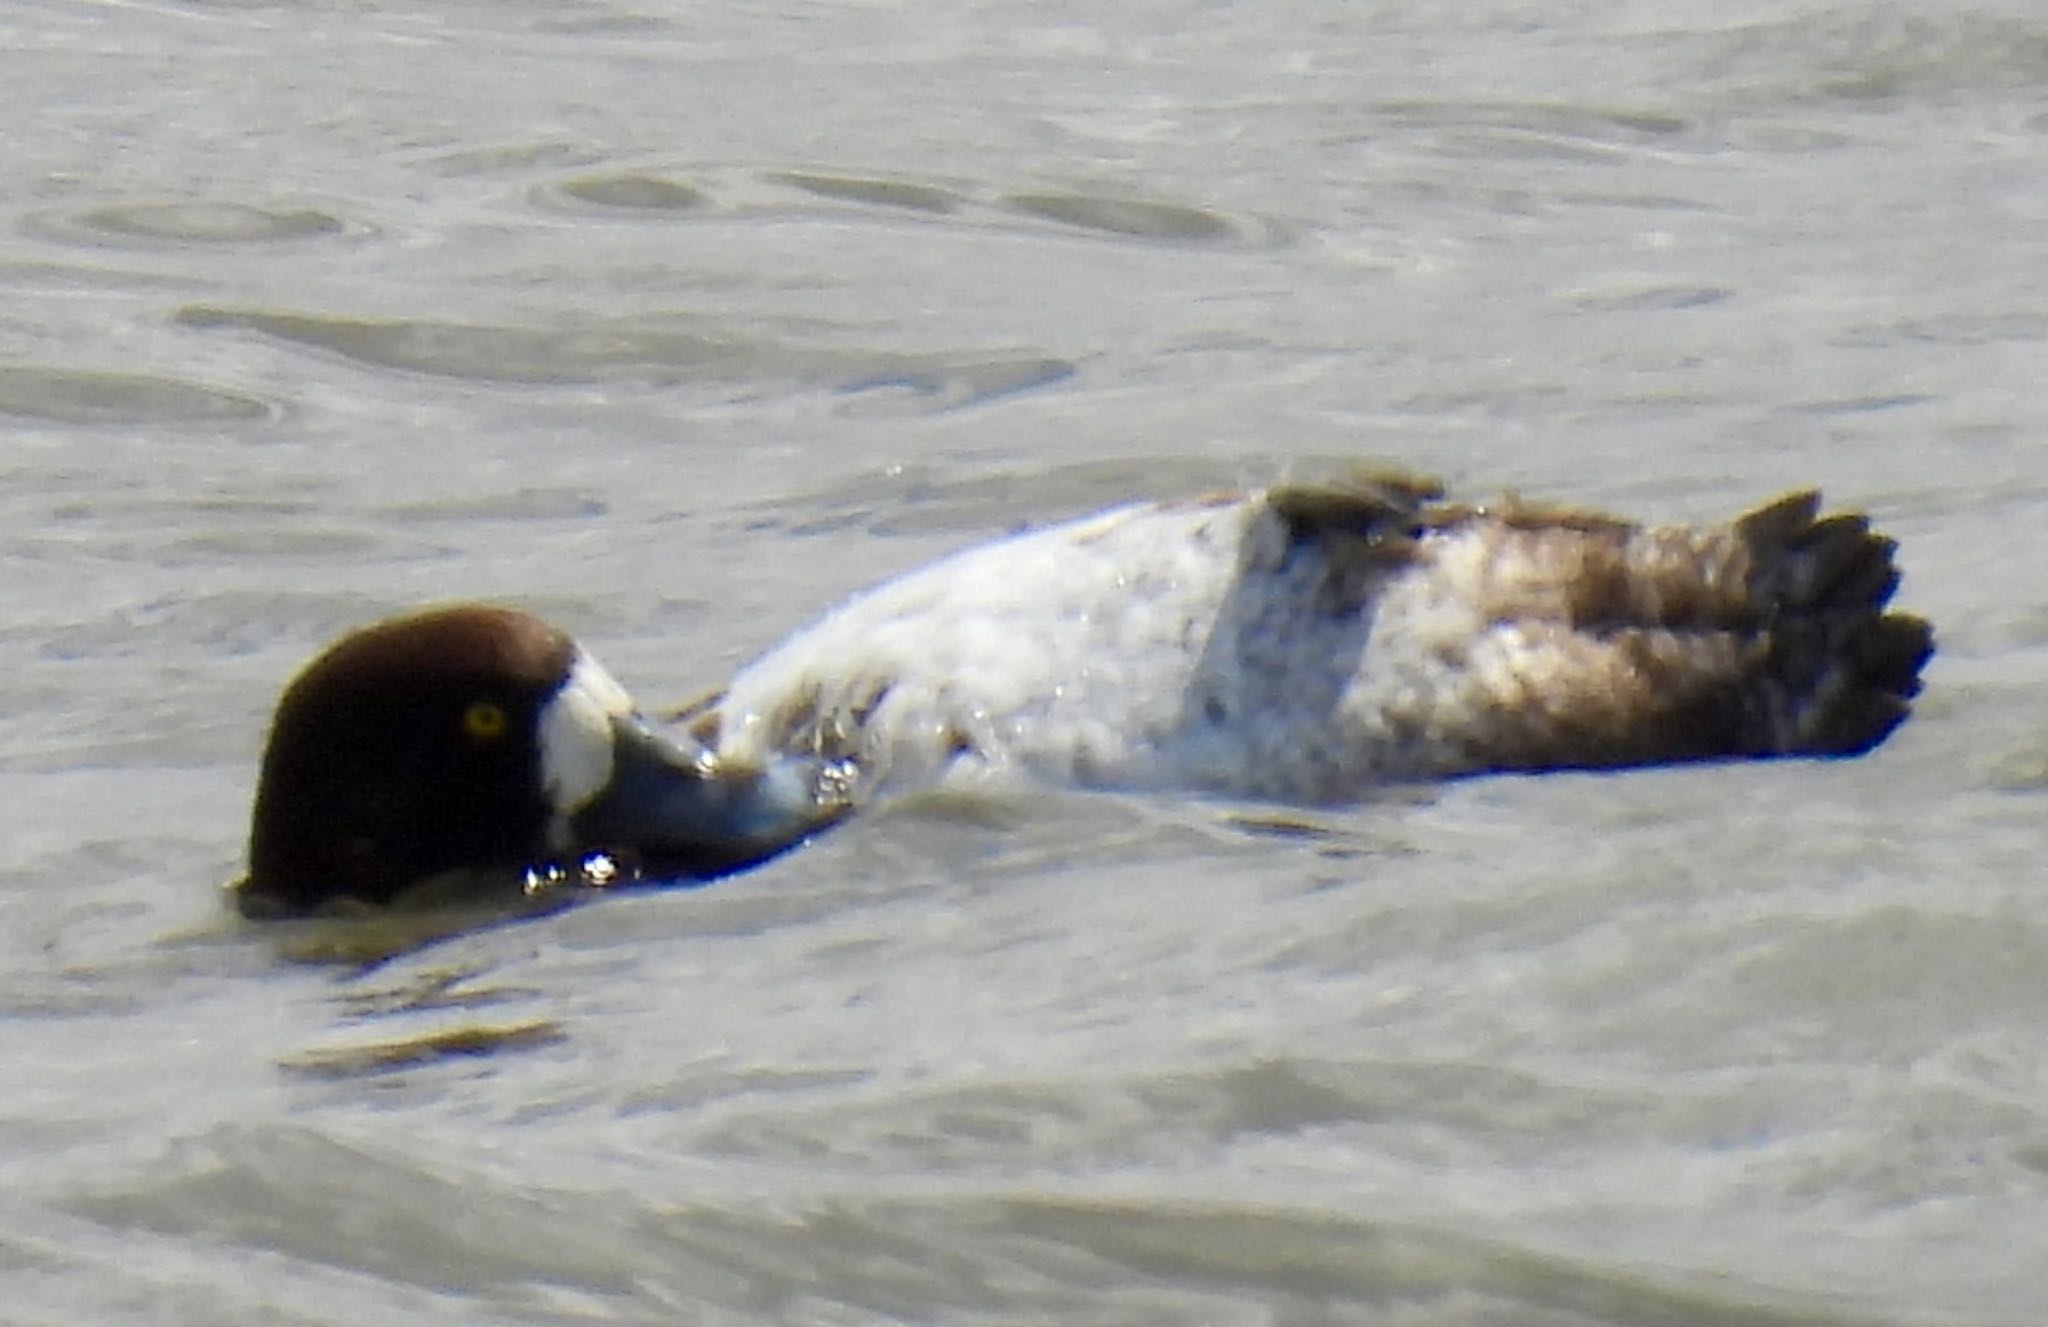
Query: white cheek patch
[(576, 741)]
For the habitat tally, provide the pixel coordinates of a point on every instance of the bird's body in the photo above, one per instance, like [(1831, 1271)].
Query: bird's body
[(1304, 643), (1308, 644)]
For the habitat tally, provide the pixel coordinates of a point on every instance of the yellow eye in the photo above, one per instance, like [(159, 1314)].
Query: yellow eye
[(484, 721)]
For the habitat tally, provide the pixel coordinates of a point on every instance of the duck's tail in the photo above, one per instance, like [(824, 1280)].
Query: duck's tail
[(1608, 643), (1836, 672)]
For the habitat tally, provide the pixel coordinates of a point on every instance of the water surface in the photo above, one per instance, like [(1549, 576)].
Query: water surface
[(678, 322)]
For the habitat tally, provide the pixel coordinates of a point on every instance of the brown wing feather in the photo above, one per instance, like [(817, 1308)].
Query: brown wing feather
[(1769, 635), (1602, 642)]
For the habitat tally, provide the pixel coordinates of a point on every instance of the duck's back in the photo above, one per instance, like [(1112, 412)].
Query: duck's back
[(1309, 643)]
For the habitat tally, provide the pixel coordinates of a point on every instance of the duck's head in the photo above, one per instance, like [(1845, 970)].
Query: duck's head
[(480, 741)]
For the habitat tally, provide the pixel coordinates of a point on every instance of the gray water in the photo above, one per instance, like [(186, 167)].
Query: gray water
[(679, 322)]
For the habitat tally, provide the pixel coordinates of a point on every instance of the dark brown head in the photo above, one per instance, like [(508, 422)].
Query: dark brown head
[(474, 738)]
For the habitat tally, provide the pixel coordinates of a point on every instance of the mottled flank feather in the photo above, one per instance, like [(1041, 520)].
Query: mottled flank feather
[(1600, 642)]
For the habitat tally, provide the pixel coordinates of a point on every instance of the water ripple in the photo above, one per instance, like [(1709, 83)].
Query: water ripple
[(220, 223), (874, 192), (1127, 216), (88, 396), (709, 192), (631, 352), (522, 504), (639, 193)]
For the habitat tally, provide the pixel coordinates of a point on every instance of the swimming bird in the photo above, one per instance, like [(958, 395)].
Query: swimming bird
[(1304, 643)]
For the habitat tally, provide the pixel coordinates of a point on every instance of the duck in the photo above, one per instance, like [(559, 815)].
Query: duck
[(1303, 643)]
